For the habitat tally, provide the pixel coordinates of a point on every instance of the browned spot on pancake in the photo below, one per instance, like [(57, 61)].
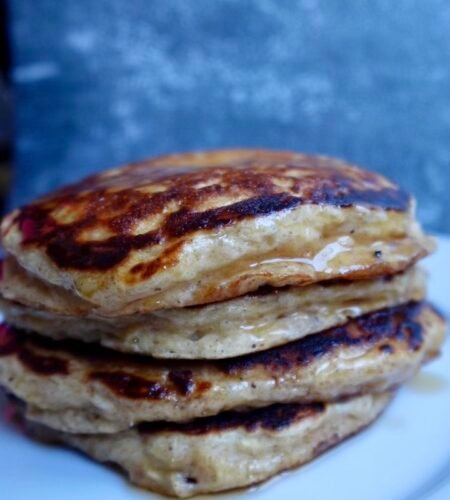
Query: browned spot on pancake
[(146, 269), (264, 290), (201, 387), (8, 340), (11, 343), (389, 325), (273, 418), (184, 222), (43, 365), (131, 386), (388, 349), (342, 281), (189, 199), (183, 380)]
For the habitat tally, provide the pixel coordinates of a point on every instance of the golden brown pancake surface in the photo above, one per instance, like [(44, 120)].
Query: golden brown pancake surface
[(196, 228)]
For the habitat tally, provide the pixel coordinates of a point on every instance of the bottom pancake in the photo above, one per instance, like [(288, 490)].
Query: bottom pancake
[(230, 450)]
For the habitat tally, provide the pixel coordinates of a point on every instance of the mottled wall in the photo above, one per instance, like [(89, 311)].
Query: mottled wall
[(106, 81)]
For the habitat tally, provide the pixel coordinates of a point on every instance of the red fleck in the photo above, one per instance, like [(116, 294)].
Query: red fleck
[(9, 413), (8, 341), (5, 334), (28, 229), (12, 416)]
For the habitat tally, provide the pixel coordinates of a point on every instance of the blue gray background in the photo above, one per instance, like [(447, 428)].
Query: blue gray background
[(103, 82)]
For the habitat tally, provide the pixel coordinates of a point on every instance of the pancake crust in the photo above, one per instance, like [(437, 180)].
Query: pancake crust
[(251, 323), (164, 232), (79, 388), (227, 451)]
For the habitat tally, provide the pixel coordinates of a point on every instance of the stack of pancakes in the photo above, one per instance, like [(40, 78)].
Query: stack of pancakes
[(208, 320)]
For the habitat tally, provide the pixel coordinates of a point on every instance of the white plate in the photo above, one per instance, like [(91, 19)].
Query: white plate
[(405, 455)]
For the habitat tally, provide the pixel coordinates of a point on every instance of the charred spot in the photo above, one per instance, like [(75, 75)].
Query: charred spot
[(190, 480), (184, 222), (9, 341), (101, 255), (138, 268), (378, 254), (345, 281), (412, 334), (183, 381), (334, 282), (386, 198), (273, 418), (39, 354), (396, 323), (386, 348), (131, 386), (167, 259), (12, 342), (43, 365), (337, 189), (264, 290), (95, 354)]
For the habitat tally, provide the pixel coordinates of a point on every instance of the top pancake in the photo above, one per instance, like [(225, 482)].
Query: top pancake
[(196, 228)]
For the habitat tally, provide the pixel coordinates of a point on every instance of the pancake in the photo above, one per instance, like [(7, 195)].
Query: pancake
[(198, 228), (227, 451), (254, 322), (77, 387)]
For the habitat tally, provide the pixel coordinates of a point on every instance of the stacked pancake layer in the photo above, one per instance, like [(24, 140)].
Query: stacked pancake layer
[(191, 313)]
